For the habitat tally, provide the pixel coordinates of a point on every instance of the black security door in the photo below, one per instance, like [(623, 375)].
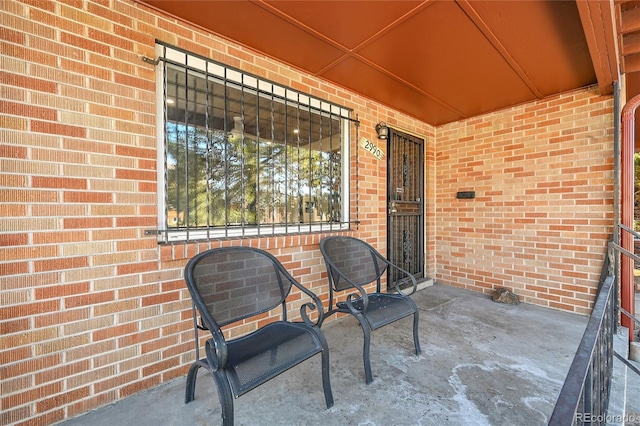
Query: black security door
[(405, 203)]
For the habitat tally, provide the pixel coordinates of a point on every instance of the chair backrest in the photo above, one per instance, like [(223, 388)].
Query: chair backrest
[(354, 259), (234, 283)]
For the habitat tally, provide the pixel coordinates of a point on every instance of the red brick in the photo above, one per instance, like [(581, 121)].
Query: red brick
[(110, 40), (62, 372), (136, 387), (30, 55), (160, 298), (89, 404), (137, 338), (147, 187), (63, 317), (27, 82), (14, 268), (60, 264), (110, 15), (87, 197), (63, 399), (84, 43), (24, 110), (130, 151), (11, 151), (116, 331), (10, 417), (116, 382), (27, 364), (164, 343), (159, 367), (136, 221), (85, 69), (136, 174), (16, 326), (12, 36), (59, 237), (41, 4), (88, 223), (14, 239), (137, 268), (28, 309), (130, 34), (56, 182), (58, 129), (49, 418), (89, 299), (57, 291)]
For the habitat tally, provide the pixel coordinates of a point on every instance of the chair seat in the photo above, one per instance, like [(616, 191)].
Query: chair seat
[(383, 309), (267, 352)]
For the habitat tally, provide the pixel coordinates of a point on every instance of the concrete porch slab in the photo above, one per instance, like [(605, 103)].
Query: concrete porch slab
[(482, 363)]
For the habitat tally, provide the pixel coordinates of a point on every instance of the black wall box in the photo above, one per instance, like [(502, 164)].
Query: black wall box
[(466, 194)]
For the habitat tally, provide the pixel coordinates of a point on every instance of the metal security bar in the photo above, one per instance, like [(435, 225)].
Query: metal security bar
[(244, 156), (632, 256), (405, 199), (585, 395)]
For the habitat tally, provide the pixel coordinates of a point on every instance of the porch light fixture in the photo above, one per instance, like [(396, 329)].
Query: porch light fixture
[(382, 130)]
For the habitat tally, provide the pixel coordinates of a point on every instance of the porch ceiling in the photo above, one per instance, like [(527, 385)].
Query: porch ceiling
[(438, 61)]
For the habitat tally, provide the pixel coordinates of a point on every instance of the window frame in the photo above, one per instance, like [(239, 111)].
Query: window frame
[(170, 55)]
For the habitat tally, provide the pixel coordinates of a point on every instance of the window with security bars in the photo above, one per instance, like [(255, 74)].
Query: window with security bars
[(244, 156)]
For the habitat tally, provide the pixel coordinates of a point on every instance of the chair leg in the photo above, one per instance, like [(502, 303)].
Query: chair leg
[(190, 390), (416, 340), (365, 350), (326, 382), (225, 396)]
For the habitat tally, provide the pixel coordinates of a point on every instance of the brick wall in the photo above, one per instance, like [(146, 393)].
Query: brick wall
[(543, 212), (93, 310)]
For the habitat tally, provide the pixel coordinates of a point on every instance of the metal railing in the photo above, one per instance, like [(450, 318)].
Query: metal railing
[(636, 259), (585, 394), (617, 248), (584, 397)]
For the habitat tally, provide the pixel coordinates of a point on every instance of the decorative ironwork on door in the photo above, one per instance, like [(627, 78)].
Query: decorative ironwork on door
[(405, 201)]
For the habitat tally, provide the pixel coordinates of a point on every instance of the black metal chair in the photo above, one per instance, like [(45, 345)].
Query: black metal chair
[(234, 283), (352, 264)]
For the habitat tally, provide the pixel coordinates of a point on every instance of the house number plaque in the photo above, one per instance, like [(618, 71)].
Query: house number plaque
[(370, 146)]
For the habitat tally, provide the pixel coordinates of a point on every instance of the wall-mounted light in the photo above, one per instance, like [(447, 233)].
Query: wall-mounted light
[(382, 130)]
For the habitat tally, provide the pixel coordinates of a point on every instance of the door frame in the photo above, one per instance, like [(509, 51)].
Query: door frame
[(406, 191)]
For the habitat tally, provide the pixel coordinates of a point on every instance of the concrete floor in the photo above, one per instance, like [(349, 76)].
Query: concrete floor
[(482, 363)]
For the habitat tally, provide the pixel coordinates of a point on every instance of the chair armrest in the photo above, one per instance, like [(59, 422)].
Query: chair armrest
[(365, 301), (216, 350), (351, 296), (414, 283), (316, 305), (305, 316)]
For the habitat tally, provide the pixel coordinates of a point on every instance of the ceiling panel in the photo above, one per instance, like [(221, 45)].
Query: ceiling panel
[(258, 28), (374, 84), (523, 28), (437, 61), (453, 61), (347, 23)]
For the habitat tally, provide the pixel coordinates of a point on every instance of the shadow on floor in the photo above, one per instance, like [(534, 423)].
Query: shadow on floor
[(482, 363)]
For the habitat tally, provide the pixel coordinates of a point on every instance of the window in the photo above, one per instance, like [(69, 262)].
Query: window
[(244, 156)]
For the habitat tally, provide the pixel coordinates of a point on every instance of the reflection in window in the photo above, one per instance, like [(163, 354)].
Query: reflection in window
[(244, 156)]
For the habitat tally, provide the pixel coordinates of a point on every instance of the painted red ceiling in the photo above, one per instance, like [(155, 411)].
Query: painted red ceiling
[(438, 61)]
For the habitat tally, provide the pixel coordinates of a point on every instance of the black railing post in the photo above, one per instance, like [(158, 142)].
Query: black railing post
[(584, 396)]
